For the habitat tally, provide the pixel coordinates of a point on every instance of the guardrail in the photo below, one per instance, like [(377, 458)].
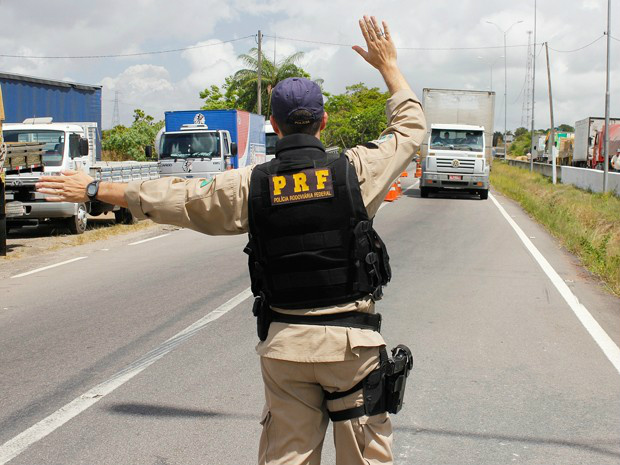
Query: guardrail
[(583, 178)]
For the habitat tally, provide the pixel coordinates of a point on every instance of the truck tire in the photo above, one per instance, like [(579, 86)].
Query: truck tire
[(484, 195), (77, 223), (424, 192), (124, 216)]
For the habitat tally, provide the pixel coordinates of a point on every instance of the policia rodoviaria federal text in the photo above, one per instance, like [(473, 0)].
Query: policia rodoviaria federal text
[(317, 265)]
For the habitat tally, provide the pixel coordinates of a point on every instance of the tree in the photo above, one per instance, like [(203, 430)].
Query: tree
[(566, 128), (220, 99), (355, 117), (240, 90), (520, 131), (129, 142)]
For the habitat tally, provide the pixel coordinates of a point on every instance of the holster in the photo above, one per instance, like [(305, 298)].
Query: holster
[(263, 313), (383, 389)]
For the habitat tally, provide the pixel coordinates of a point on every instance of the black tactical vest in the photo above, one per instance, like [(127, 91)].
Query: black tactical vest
[(311, 241)]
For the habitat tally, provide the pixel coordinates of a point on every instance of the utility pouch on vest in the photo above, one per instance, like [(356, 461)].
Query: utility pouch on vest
[(263, 314), (383, 389)]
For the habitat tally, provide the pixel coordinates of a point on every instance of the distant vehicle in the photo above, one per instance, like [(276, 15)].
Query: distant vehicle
[(66, 146), (202, 143), (457, 151), (588, 147), (270, 141)]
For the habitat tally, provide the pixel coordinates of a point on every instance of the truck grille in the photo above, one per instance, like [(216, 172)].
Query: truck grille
[(466, 165)]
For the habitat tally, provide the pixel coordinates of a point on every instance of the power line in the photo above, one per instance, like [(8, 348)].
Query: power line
[(398, 48), (580, 48), (122, 55)]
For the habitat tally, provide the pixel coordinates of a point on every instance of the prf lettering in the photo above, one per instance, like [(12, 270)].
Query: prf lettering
[(306, 185)]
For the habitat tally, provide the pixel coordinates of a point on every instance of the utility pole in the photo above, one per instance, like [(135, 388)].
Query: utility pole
[(606, 140), (260, 66), (533, 93), (552, 130)]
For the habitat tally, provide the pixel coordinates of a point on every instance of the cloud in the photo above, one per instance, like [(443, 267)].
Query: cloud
[(211, 64)]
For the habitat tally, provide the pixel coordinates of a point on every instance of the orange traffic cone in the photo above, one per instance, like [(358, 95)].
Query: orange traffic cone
[(399, 188), (404, 174), (418, 170), (392, 194)]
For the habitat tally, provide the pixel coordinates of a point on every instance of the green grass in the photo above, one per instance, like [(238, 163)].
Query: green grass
[(586, 223)]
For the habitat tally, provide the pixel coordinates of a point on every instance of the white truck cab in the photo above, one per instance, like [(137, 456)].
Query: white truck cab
[(455, 160), (66, 146), (270, 141), (195, 151)]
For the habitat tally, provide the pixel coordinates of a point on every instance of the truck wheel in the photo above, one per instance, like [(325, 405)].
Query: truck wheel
[(77, 223), (424, 192), (124, 216), (484, 195)]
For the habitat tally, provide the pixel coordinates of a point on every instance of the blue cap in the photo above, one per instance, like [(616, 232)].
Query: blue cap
[(297, 101)]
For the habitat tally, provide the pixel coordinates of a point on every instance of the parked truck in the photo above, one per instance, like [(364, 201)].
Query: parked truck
[(588, 147), (456, 153), (202, 143), (66, 146)]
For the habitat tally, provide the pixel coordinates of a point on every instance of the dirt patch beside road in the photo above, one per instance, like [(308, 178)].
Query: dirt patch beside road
[(31, 241)]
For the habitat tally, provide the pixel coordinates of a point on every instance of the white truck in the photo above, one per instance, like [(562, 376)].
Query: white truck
[(66, 146), (456, 152)]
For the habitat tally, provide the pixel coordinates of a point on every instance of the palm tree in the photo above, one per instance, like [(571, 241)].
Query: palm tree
[(245, 80)]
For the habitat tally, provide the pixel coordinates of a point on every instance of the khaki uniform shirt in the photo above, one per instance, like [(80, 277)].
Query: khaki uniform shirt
[(220, 206)]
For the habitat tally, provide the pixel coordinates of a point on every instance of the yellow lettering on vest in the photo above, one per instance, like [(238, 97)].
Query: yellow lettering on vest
[(300, 182), (278, 184), (321, 177)]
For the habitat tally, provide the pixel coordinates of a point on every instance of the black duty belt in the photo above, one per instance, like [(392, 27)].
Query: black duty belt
[(347, 319)]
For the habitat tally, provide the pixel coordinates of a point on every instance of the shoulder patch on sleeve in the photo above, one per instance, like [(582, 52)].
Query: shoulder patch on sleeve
[(380, 140)]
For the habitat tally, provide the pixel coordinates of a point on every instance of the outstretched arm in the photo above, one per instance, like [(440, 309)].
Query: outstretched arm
[(71, 187)]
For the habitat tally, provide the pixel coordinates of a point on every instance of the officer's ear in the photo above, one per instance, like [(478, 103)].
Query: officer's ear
[(275, 127), (324, 121)]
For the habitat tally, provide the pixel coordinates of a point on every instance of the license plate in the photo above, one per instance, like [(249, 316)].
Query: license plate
[(454, 178)]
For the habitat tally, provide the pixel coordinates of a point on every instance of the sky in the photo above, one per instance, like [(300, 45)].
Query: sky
[(172, 81)]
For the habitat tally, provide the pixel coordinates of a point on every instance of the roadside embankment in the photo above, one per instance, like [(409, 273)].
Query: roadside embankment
[(587, 224)]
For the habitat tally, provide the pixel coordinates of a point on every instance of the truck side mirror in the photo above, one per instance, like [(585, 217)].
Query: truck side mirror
[(83, 147), (148, 151), (233, 148)]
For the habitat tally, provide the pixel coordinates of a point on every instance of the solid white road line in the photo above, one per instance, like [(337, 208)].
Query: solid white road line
[(150, 239), (21, 442), (48, 267), (607, 345)]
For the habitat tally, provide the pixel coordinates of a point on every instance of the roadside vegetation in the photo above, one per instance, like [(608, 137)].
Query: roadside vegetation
[(587, 224)]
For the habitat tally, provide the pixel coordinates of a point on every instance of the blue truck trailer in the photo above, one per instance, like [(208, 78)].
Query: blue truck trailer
[(27, 97), (202, 143)]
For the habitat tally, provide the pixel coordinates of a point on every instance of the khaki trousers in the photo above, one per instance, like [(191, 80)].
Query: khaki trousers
[(295, 416)]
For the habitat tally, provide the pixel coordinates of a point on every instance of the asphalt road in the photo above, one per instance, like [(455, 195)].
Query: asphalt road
[(504, 371)]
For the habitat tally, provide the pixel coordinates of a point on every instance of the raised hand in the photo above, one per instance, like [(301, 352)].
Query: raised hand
[(381, 50)]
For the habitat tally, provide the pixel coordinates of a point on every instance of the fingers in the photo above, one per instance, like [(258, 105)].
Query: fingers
[(376, 28), (370, 29), (50, 184), (364, 31), (386, 30), (69, 172)]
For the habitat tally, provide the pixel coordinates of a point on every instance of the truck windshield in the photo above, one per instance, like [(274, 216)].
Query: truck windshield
[(54, 143), (190, 145), (450, 139), (270, 147)]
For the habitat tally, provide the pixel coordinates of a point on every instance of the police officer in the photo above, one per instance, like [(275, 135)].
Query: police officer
[(316, 264)]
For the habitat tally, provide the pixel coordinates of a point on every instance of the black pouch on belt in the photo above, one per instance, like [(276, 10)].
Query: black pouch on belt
[(263, 314)]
